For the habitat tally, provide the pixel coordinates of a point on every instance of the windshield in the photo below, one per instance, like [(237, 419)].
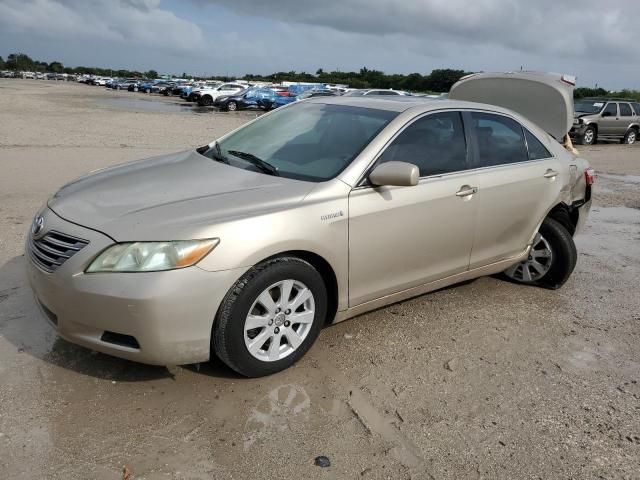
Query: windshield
[(586, 106), (307, 141)]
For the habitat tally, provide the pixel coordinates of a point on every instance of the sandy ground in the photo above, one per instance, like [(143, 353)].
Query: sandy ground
[(484, 380)]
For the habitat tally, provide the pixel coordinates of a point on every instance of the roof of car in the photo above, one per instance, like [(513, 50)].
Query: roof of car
[(400, 103), (607, 99)]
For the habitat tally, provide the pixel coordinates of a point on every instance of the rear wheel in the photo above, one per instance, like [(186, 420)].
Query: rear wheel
[(207, 101), (630, 137), (589, 136), (551, 260), (270, 317)]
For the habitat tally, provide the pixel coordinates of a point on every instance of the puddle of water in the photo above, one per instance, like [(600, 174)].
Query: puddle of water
[(138, 104), (621, 178), (156, 106)]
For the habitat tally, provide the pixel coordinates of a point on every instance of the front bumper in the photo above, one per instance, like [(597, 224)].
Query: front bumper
[(577, 130), (169, 314)]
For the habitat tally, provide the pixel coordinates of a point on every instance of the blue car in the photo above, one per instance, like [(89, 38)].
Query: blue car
[(250, 98), (301, 94)]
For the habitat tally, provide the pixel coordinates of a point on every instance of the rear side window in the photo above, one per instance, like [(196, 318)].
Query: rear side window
[(500, 139), (611, 110), (435, 144), (536, 149), (625, 110)]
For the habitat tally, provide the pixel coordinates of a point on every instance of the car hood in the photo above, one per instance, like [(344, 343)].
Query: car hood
[(174, 197), (545, 99)]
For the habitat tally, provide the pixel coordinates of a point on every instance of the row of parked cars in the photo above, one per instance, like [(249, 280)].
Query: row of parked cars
[(237, 95)]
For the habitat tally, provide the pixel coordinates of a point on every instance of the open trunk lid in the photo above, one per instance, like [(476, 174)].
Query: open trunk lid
[(546, 99)]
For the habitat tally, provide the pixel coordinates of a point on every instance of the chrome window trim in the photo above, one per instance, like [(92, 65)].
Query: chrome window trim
[(359, 184)]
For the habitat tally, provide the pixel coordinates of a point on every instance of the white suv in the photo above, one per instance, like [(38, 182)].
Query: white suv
[(209, 95)]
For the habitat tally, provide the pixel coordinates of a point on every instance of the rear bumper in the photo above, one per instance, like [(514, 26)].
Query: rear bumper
[(583, 214), (169, 314)]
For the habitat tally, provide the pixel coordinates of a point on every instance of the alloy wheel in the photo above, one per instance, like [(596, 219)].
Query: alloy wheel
[(589, 136), (279, 320), (631, 137), (536, 265)]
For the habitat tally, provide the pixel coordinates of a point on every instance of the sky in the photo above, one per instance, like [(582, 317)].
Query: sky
[(593, 39)]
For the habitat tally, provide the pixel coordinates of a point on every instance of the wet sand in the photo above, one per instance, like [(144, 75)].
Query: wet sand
[(483, 380)]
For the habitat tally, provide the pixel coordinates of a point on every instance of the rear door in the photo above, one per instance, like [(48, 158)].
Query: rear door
[(518, 178)]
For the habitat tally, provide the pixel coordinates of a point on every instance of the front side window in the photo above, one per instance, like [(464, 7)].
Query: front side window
[(536, 149), (500, 139), (636, 108), (435, 144), (307, 141), (625, 110), (611, 110)]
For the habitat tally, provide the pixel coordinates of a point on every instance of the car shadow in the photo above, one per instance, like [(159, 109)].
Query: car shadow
[(24, 328)]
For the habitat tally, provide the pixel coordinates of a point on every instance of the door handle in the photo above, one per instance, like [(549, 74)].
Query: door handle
[(466, 190), (550, 174)]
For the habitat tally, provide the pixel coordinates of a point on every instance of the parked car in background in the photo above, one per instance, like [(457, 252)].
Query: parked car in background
[(123, 84), (269, 103), (375, 92), (207, 96), (606, 119), (161, 87), (251, 97)]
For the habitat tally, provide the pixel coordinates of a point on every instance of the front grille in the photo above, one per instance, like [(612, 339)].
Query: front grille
[(55, 248)]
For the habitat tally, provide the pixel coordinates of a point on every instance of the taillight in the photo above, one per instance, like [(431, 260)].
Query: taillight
[(590, 176)]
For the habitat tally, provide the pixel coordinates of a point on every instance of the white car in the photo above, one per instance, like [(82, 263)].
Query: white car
[(208, 96)]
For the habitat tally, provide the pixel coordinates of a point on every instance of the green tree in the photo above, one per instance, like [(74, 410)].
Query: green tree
[(2, 63), (19, 61), (56, 67)]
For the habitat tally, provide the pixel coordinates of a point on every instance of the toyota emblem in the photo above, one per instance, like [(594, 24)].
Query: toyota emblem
[(37, 226)]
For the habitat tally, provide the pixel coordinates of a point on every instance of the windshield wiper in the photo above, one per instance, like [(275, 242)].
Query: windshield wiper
[(217, 154), (266, 167)]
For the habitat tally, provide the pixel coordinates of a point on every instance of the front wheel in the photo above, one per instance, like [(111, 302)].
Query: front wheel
[(551, 260), (589, 136), (232, 106), (206, 101), (270, 317)]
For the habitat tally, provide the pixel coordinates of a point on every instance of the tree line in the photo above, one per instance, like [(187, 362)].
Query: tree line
[(439, 80)]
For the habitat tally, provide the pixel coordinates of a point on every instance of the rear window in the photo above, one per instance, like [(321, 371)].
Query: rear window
[(536, 149), (625, 110)]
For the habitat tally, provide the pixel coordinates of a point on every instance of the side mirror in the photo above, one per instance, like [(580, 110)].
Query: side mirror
[(400, 174), (606, 114)]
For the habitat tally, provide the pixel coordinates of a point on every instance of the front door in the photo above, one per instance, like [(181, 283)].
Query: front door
[(609, 123), (402, 237)]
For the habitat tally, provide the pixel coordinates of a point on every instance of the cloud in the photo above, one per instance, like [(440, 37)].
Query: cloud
[(603, 30), (142, 22)]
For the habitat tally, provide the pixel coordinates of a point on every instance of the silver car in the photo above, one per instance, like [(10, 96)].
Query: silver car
[(311, 214)]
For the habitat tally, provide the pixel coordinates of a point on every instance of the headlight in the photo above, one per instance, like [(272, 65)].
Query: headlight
[(152, 256)]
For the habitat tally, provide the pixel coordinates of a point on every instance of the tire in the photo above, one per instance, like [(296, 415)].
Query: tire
[(589, 137), (232, 106), (552, 258), (230, 339), (630, 137), (267, 106), (206, 101)]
